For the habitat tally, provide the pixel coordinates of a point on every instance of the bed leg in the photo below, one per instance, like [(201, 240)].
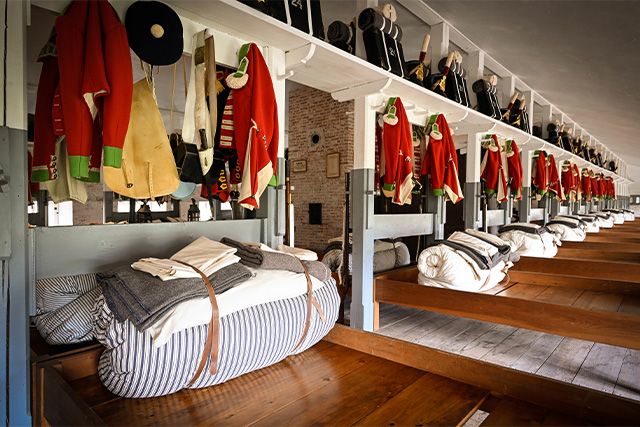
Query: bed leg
[(376, 316)]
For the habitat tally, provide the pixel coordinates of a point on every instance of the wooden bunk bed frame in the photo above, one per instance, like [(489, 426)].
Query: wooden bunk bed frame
[(351, 377), (591, 300)]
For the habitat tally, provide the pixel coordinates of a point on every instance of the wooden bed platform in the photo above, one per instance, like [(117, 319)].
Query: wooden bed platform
[(350, 378), (606, 311)]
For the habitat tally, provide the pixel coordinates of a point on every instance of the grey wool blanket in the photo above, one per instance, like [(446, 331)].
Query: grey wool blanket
[(257, 258), (143, 299)]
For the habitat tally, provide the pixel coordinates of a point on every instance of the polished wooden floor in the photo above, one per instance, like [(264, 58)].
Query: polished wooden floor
[(328, 384), (598, 366)]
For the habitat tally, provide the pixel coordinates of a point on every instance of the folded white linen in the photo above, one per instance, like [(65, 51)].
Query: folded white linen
[(487, 236), (566, 233), (264, 286), (474, 243), (544, 245), (303, 254), (445, 267), (496, 276), (206, 255)]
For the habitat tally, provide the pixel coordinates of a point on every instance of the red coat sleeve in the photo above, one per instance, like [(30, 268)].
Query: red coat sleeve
[(119, 75)]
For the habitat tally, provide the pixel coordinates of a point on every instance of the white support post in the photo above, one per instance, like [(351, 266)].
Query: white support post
[(475, 66), (547, 117), (15, 290), (362, 306), (472, 188), (527, 169), (508, 88), (439, 44), (276, 61), (530, 97)]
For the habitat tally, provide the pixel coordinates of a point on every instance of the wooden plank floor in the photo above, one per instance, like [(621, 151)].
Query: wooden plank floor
[(328, 384), (599, 366)]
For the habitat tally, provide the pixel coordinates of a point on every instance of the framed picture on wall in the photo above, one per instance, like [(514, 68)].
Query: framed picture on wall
[(333, 165), (299, 165)]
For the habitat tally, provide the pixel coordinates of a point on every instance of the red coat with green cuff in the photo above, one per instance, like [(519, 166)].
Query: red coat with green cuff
[(398, 154), (96, 82), (514, 167), (493, 172), (540, 175), (255, 125), (567, 181), (441, 162), (554, 179), (586, 185)]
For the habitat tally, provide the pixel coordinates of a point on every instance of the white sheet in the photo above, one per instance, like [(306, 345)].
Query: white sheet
[(264, 286), (568, 234), (590, 227), (527, 244), (444, 267), (303, 254), (204, 254), (474, 243)]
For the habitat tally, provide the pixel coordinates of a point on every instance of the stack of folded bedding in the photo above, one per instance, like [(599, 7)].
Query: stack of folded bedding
[(386, 255), (605, 220), (590, 222), (568, 229), (142, 299), (629, 215), (64, 308), (467, 261), (530, 239), (617, 214), (155, 342)]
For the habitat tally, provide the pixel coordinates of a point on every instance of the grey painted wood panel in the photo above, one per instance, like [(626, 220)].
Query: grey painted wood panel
[(601, 368), (487, 341), (442, 336), (628, 384), (463, 339), (538, 353), (512, 348), (87, 249), (565, 361), (423, 328), (397, 329), (396, 225)]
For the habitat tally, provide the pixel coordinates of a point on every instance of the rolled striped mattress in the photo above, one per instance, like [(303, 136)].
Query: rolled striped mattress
[(250, 338)]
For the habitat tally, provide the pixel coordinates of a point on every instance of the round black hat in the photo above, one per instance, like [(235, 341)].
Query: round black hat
[(154, 31)]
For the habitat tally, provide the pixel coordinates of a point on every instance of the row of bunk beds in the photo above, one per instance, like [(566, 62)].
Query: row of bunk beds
[(567, 288), (285, 361)]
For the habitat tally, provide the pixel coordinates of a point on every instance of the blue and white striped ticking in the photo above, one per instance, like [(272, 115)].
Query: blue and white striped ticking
[(71, 323), (250, 339), (53, 293)]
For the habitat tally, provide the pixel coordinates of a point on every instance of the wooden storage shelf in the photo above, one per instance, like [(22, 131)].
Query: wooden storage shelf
[(318, 64)]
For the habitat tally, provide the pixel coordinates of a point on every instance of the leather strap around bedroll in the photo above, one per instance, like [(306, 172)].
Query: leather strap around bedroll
[(310, 301), (212, 344)]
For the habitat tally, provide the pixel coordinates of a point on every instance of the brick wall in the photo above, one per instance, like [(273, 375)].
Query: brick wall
[(315, 112)]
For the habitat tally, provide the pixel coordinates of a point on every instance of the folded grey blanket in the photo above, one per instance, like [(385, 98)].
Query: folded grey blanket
[(143, 298), (257, 258)]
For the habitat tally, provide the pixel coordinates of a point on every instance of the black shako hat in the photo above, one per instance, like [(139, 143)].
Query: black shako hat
[(154, 31)]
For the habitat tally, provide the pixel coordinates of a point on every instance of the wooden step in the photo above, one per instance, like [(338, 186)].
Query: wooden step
[(602, 246), (593, 284), (607, 270), (512, 412), (599, 255), (611, 238)]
